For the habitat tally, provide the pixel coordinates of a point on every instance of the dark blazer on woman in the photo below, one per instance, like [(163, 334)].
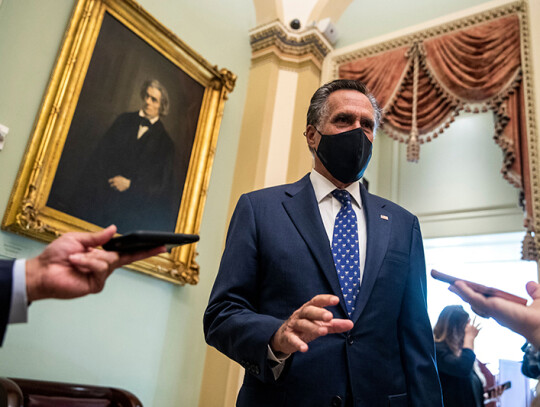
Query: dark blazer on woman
[(461, 386)]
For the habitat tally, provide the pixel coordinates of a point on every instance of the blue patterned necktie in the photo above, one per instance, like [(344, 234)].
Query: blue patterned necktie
[(345, 249)]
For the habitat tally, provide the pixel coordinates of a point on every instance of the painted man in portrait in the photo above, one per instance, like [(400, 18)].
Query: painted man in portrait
[(129, 179)]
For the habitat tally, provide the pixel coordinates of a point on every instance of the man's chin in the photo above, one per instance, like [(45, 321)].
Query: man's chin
[(148, 116)]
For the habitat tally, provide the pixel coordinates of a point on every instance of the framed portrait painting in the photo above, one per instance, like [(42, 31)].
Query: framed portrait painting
[(126, 135)]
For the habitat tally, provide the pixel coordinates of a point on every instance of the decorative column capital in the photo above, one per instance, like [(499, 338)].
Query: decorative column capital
[(275, 38)]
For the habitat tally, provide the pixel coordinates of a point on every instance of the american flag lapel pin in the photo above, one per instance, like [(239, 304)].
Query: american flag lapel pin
[(384, 217)]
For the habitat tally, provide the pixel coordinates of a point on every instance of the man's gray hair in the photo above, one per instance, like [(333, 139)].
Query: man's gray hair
[(318, 106), (164, 104)]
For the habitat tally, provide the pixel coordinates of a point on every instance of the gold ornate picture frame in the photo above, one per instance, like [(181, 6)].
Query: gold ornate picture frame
[(114, 58)]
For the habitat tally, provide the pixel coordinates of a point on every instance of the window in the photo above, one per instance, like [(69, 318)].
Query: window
[(492, 260)]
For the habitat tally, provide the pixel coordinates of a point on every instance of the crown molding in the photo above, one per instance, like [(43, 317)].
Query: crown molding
[(275, 38)]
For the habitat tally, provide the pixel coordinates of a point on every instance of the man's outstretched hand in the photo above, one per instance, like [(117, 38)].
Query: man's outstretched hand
[(308, 323), (72, 266)]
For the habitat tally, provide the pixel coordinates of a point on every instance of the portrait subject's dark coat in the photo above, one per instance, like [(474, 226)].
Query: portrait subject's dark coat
[(152, 200)]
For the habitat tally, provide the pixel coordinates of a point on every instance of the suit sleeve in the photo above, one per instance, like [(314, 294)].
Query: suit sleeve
[(6, 278), (415, 334), (232, 323)]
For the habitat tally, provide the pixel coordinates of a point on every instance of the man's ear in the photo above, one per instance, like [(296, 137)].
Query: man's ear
[(311, 136)]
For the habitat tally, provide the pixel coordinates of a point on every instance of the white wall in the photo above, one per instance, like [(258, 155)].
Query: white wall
[(368, 19), (456, 187)]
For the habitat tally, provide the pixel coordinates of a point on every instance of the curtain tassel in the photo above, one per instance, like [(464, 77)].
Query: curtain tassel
[(413, 148), (529, 250)]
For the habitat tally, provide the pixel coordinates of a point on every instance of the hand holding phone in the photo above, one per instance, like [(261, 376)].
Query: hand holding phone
[(493, 393), (482, 289)]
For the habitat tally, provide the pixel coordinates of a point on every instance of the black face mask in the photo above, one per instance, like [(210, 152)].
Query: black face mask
[(345, 155)]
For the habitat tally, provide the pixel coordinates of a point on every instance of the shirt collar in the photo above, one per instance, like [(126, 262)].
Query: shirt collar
[(152, 120), (323, 187)]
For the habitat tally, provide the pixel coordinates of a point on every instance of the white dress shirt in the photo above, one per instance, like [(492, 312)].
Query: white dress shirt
[(144, 129), (329, 208)]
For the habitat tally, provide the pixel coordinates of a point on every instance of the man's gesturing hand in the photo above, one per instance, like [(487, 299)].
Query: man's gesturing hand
[(308, 323)]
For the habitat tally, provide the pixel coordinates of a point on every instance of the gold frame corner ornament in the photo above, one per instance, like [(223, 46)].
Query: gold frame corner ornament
[(27, 212)]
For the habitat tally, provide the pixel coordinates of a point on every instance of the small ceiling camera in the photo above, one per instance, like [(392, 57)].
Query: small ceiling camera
[(295, 24)]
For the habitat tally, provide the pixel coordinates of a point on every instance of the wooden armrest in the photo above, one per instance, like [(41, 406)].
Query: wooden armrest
[(10, 393)]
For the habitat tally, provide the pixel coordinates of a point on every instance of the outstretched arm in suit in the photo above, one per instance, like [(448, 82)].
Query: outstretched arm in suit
[(6, 282), (233, 322), (69, 267)]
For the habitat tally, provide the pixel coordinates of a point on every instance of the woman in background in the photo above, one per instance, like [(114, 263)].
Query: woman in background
[(462, 380)]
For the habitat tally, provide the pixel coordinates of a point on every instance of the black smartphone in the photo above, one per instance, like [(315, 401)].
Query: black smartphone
[(145, 240), (493, 397), (506, 385)]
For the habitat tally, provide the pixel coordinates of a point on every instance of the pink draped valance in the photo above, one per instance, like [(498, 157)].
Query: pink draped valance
[(424, 85)]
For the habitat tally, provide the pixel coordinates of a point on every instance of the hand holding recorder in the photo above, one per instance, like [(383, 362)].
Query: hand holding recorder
[(479, 288), (507, 309), (72, 266)]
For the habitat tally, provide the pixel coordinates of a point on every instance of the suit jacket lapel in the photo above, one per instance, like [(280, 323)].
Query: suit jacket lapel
[(378, 226), (304, 212)]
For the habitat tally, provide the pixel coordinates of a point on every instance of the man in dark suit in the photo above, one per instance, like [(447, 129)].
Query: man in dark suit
[(69, 267), (318, 313), (130, 173)]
